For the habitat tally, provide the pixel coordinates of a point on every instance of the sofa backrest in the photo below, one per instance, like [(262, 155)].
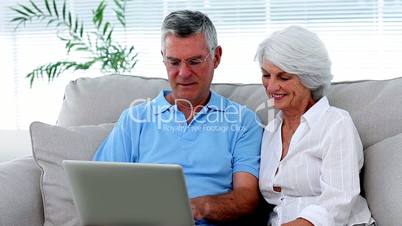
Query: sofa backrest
[(375, 106)]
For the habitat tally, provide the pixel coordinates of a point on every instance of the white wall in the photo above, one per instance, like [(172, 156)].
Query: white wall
[(14, 144)]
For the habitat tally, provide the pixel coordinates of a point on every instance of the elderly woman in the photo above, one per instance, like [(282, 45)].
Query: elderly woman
[(311, 152)]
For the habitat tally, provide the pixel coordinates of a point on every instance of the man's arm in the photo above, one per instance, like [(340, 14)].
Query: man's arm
[(121, 145), (243, 200)]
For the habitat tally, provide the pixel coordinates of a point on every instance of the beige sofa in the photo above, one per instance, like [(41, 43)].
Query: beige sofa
[(375, 106)]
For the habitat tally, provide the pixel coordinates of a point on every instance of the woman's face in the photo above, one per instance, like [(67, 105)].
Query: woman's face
[(286, 90)]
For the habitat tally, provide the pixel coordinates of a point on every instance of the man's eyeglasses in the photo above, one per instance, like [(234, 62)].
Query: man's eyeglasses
[(193, 63)]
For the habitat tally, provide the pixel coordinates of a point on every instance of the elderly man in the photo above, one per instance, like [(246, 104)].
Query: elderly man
[(216, 141)]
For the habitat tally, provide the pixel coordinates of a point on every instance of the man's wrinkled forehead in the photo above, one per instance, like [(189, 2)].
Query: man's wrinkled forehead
[(195, 42)]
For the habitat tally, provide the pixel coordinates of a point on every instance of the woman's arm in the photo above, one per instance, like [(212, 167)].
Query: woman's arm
[(342, 159)]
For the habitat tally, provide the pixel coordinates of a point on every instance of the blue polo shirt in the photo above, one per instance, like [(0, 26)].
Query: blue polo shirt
[(222, 139)]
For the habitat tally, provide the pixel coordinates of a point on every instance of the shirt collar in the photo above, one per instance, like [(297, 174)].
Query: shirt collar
[(315, 112), (160, 104), (216, 102)]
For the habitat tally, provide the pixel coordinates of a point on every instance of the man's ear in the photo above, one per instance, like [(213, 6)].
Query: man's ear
[(218, 55)]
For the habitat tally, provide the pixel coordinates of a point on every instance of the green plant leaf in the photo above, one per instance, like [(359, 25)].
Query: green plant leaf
[(133, 57), (64, 10), (119, 5), (72, 64), (109, 36), (121, 11), (121, 18), (60, 23), (119, 14), (82, 49), (48, 70), (131, 50), (82, 29), (122, 21), (98, 14), (52, 71), (70, 20), (76, 25), (63, 39), (68, 44), (133, 64), (105, 63), (32, 76), (21, 22), (107, 25), (76, 45), (100, 20), (48, 7), (111, 56), (55, 8), (51, 21), (20, 12), (36, 7), (27, 9), (19, 19), (115, 48)]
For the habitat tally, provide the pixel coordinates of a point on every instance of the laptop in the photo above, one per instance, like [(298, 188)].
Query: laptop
[(119, 194)]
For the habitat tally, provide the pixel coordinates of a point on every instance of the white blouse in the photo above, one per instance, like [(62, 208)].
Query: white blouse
[(319, 176)]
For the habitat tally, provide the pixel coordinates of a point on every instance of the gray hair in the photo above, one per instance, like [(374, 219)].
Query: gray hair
[(184, 23), (299, 51)]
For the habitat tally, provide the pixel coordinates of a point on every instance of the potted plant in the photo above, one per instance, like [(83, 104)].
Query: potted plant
[(97, 43)]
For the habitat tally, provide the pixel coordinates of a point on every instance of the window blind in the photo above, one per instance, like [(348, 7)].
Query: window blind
[(364, 39)]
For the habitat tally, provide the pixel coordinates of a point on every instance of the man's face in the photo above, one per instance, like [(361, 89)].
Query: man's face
[(190, 67)]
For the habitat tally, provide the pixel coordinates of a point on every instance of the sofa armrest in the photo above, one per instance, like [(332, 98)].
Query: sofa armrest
[(20, 196), (383, 180)]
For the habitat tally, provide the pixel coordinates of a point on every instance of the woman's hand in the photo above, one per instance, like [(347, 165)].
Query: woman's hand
[(298, 222)]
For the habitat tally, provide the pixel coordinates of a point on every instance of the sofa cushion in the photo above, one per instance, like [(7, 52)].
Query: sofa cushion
[(20, 197), (91, 101), (51, 145), (383, 180), (375, 106)]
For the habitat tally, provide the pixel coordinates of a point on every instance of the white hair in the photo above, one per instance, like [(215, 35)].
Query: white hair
[(299, 51)]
